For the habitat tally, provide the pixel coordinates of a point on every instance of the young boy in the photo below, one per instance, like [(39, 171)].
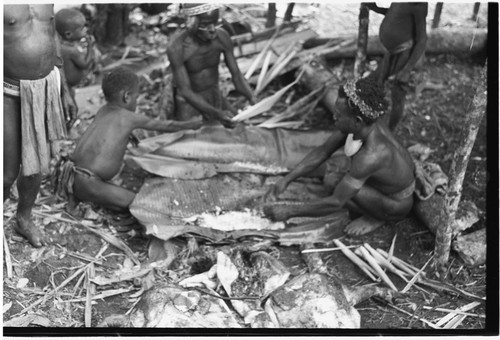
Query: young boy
[(99, 153), (78, 59)]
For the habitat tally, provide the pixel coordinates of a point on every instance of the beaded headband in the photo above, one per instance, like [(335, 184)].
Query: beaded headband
[(366, 110), (200, 9)]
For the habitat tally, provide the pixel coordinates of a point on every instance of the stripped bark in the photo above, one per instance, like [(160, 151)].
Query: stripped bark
[(457, 174), (364, 18)]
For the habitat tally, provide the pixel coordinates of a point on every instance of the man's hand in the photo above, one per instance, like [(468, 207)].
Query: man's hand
[(194, 123), (70, 110), (277, 212), (277, 189), (225, 119)]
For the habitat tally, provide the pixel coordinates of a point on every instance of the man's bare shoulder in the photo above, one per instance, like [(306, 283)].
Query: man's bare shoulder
[(224, 39)]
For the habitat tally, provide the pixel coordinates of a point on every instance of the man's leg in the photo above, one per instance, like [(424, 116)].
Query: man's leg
[(11, 142), (398, 97), (104, 194), (28, 187), (376, 208)]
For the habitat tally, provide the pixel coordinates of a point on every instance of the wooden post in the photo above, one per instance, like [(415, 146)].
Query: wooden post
[(359, 62), (457, 174), (271, 14), (288, 12), (437, 14), (475, 11)]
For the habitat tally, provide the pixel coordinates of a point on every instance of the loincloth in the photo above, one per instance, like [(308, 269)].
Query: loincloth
[(65, 178), (395, 59), (405, 193), (42, 119)]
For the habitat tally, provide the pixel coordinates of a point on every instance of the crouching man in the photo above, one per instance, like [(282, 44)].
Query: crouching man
[(379, 177)]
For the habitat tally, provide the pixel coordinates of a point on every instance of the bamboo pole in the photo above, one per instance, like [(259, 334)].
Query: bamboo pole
[(355, 259), (457, 174)]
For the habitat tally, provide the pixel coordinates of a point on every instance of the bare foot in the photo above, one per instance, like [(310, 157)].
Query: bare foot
[(363, 225), (31, 232)]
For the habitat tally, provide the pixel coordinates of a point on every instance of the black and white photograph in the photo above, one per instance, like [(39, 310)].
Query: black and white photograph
[(222, 169)]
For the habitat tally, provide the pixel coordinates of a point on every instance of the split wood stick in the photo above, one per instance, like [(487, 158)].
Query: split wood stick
[(430, 324), (398, 263), (354, 258), (447, 310), (263, 72), (88, 300), (450, 316), (102, 295), (455, 322), (78, 283), (416, 276), (391, 249), (52, 292), (279, 68), (384, 262), (320, 250), (374, 264), (261, 55), (8, 259)]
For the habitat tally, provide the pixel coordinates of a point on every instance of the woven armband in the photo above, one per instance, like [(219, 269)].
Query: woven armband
[(355, 183)]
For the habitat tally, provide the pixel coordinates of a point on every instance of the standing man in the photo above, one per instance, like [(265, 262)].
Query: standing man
[(403, 34), (194, 54), (33, 98)]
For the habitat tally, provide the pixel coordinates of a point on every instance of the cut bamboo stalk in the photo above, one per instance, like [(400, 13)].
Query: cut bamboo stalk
[(391, 249), (416, 276), (263, 72), (78, 283), (450, 316), (355, 259), (377, 268)]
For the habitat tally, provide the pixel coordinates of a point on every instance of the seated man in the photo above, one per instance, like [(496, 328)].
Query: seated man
[(99, 153), (403, 34), (78, 60), (380, 180), (194, 54)]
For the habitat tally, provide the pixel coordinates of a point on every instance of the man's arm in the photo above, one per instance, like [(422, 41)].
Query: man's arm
[(419, 15), (176, 57), (373, 7), (310, 163), (240, 83), (69, 106)]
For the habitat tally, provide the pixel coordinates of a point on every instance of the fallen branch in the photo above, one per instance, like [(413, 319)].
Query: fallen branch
[(103, 295), (101, 281)]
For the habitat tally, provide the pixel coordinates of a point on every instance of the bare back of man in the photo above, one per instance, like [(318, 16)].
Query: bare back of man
[(379, 156)]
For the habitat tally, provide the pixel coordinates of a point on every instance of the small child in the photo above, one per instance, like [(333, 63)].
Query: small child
[(99, 153), (78, 58)]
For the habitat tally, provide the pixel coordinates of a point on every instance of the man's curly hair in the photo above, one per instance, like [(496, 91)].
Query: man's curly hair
[(370, 92), (118, 79)]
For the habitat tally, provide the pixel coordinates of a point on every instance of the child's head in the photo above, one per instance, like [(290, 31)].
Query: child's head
[(70, 24), (121, 87)]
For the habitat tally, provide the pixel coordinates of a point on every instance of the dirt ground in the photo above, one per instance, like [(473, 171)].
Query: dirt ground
[(434, 119)]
